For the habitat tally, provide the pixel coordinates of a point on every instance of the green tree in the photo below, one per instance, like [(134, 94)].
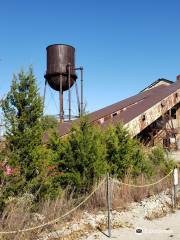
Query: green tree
[(22, 110), (124, 154), (161, 162), (81, 156), (44, 184)]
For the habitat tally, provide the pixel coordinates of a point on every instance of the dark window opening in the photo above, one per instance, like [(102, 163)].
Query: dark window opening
[(114, 114), (143, 117), (173, 113)]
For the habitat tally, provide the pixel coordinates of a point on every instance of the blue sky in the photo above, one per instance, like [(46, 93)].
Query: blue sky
[(124, 45)]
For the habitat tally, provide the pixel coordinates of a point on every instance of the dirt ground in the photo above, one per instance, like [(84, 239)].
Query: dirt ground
[(164, 228)]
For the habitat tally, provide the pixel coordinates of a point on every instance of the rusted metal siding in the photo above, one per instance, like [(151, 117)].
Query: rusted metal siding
[(136, 112), (136, 125)]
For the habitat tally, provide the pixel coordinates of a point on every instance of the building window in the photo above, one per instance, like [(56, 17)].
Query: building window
[(114, 114), (173, 113), (163, 103), (143, 117)]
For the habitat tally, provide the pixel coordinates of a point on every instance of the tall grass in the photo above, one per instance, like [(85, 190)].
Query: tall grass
[(20, 213)]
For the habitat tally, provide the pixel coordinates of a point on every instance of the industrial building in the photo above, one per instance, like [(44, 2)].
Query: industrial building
[(153, 115)]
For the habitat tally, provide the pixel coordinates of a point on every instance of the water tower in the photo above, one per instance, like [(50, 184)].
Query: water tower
[(61, 75)]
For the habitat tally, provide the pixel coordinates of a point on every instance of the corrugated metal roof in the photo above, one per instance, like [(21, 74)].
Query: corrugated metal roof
[(129, 108)]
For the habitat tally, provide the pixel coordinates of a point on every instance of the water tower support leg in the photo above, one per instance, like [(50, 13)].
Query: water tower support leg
[(61, 101), (69, 82), (44, 95), (82, 107), (78, 102)]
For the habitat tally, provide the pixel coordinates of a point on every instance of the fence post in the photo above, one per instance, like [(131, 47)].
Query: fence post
[(109, 205), (175, 183)]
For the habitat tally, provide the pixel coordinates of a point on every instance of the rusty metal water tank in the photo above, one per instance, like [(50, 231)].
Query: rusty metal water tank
[(59, 56)]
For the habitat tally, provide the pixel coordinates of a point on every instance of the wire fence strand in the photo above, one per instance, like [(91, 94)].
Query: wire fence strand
[(56, 219), (142, 186), (81, 203)]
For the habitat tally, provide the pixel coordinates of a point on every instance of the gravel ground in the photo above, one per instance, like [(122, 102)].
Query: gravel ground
[(152, 216), (164, 228)]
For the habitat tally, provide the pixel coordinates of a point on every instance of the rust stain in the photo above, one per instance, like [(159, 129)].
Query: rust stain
[(152, 103)]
